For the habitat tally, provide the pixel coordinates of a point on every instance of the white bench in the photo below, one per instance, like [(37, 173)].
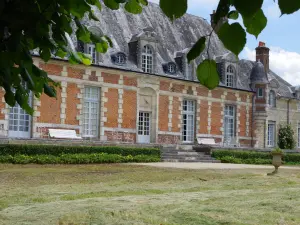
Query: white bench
[(63, 134), (206, 141)]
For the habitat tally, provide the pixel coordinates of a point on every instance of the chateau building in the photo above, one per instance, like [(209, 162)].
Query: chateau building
[(143, 89)]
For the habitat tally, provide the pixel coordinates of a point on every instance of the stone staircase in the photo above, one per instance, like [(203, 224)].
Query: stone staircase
[(186, 153)]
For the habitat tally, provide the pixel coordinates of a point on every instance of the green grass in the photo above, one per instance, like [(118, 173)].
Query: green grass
[(130, 194)]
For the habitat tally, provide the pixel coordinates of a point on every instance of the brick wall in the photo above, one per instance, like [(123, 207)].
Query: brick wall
[(51, 69), (110, 78), (243, 120), (112, 108), (50, 109), (163, 112), (129, 109), (130, 81), (216, 117), (203, 117), (176, 115), (72, 101), (75, 72)]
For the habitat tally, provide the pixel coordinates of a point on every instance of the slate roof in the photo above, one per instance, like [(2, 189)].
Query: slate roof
[(173, 39)]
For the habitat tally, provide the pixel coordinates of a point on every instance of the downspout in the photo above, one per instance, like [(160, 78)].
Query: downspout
[(252, 121)]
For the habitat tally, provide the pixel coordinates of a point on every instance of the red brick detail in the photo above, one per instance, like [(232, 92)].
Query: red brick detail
[(202, 91), (216, 117), (260, 108), (203, 117), (178, 88), (130, 138), (164, 86), (129, 109), (2, 105), (163, 113), (50, 109), (52, 69), (168, 139), (129, 81), (75, 73), (217, 93), (112, 108), (231, 96), (243, 120), (110, 78), (176, 113), (93, 76), (71, 102)]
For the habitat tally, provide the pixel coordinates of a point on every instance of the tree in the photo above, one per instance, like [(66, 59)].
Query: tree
[(286, 137), (45, 25)]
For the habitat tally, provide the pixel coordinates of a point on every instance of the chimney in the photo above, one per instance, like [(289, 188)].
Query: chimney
[(212, 22), (262, 55)]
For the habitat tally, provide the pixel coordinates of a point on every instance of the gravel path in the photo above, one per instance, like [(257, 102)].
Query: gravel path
[(212, 166)]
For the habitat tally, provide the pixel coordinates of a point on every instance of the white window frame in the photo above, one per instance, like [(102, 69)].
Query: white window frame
[(272, 99), (188, 121), (260, 92), (271, 134), (90, 118), (230, 75), (229, 123), (120, 59), (91, 50), (171, 68), (147, 59)]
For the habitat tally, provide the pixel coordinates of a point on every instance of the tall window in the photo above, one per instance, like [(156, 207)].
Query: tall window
[(272, 99), (260, 92), (91, 50), (229, 123), (271, 133), (188, 119), (230, 74), (147, 59), (91, 111)]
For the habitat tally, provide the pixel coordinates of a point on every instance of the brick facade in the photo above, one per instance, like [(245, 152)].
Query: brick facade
[(120, 103)]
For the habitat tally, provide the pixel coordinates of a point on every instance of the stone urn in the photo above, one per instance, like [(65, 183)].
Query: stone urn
[(276, 161)]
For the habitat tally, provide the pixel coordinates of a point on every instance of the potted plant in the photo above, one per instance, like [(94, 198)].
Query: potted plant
[(277, 154)]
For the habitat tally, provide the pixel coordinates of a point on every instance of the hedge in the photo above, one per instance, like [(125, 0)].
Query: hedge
[(10, 149), (76, 158), (252, 157)]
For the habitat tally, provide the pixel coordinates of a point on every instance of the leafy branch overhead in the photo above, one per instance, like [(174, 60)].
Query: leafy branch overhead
[(27, 26)]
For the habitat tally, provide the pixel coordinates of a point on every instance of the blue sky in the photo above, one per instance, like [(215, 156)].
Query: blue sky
[(282, 35)]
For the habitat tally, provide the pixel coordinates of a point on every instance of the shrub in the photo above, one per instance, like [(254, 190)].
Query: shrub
[(252, 157), (76, 159), (9, 149), (286, 137)]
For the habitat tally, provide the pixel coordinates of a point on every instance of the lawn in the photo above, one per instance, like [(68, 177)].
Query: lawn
[(130, 194)]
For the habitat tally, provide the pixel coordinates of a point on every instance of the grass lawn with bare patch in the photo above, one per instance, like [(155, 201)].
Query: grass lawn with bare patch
[(129, 194)]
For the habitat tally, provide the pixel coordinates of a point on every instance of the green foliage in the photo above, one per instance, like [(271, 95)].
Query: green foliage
[(286, 137), (289, 6), (233, 37), (77, 158), (277, 151), (256, 24), (196, 49), (58, 150), (174, 8), (207, 74), (253, 157)]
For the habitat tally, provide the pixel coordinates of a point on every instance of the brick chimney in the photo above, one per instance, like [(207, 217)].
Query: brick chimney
[(262, 55)]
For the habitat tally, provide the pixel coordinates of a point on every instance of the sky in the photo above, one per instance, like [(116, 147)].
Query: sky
[(281, 35)]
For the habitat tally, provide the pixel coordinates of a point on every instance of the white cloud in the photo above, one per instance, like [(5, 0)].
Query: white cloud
[(284, 63), (273, 11)]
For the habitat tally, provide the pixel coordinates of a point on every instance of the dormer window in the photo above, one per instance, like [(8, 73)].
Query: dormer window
[(91, 50), (171, 68), (230, 75), (147, 59), (119, 58)]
